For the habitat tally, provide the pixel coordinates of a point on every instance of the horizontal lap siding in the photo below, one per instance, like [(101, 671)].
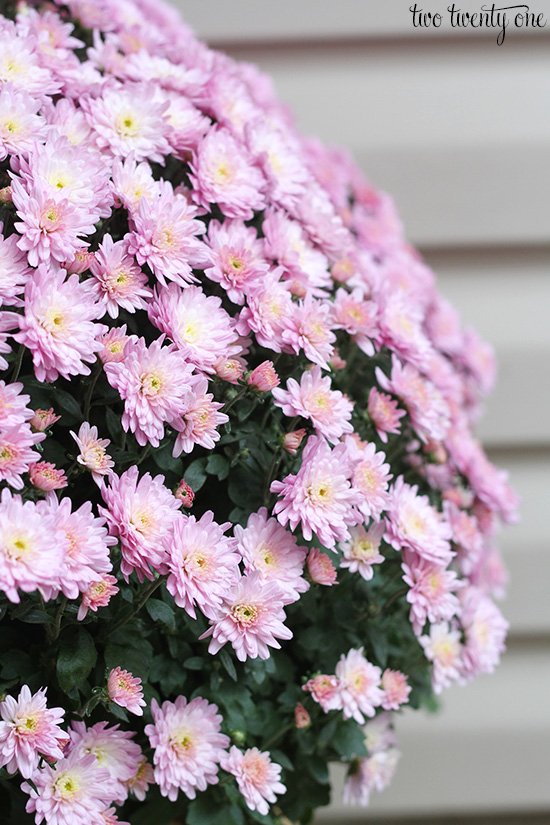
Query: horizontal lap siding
[(457, 129)]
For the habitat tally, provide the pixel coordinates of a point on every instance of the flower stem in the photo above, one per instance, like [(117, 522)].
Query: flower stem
[(91, 387), (17, 363), (149, 590), (234, 400)]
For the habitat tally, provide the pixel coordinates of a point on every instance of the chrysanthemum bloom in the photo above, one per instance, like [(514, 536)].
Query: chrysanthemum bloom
[(125, 690), (362, 550), (371, 477), (257, 776), (264, 378), (20, 125), (267, 547), (184, 493), (237, 260), (42, 419), (98, 594), (269, 305), (485, 630), (280, 156), (81, 261), (114, 751), (8, 322), (359, 686), (431, 593), (373, 772), (119, 282), (199, 420), (164, 237), (14, 272), (358, 317), (401, 327), (321, 568), (302, 719), (141, 512), (428, 409), (75, 790), (31, 548), (395, 688), (224, 173), (384, 413), (412, 523), (16, 453), (466, 535), (138, 785), (309, 329), (113, 344), (379, 733), (13, 405), (251, 619), (154, 382), (129, 120), (93, 454), (46, 476), (319, 496), (443, 648), (229, 369), (305, 267), (29, 730), (188, 745), (203, 563), (292, 441), (57, 326), (329, 410), (197, 324), (325, 689)]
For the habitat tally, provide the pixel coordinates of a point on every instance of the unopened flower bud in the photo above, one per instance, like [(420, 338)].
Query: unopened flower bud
[(320, 567), (238, 736), (229, 369), (292, 441), (6, 195), (42, 419), (184, 493), (452, 494), (80, 263), (301, 716), (342, 270), (45, 476), (336, 362), (263, 378)]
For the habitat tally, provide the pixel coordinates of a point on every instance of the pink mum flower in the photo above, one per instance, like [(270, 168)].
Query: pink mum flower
[(302, 719), (309, 329), (74, 791), (93, 453), (138, 785), (384, 413), (362, 550), (113, 344), (401, 327), (98, 594), (443, 648), (141, 512), (267, 547), (329, 410), (358, 317), (224, 173), (395, 688), (154, 382), (184, 493), (20, 125), (203, 563), (13, 405), (199, 420), (257, 776), (431, 593), (46, 476), (237, 260), (57, 326), (196, 323), (164, 237), (366, 774), (125, 690), (16, 453), (319, 497), (485, 630), (251, 618), (119, 282), (29, 730), (321, 568), (359, 686), (14, 272), (42, 419), (325, 690), (188, 745), (269, 306), (412, 523), (264, 378), (292, 441), (371, 477)]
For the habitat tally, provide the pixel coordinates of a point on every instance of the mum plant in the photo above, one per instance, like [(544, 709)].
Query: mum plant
[(244, 519)]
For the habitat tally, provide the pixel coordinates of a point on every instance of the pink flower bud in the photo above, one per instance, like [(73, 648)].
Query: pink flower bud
[(125, 690), (42, 419), (320, 567), (437, 450), (301, 716), (6, 195), (229, 369), (342, 270), (80, 263), (184, 493), (297, 288), (263, 378), (452, 494), (291, 441), (45, 476), (336, 362)]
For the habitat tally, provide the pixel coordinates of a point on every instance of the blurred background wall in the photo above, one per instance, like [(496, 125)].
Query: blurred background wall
[(457, 129)]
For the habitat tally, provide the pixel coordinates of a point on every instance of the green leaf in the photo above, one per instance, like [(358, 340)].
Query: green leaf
[(349, 740), (77, 656), (202, 811), (135, 657), (164, 459), (159, 611), (194, 663), (217, 465), (114, 427), (227, 662), (318, 768), (195, 475)]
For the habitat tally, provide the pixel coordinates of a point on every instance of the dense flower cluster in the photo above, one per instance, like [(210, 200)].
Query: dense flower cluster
[(202, 309)]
